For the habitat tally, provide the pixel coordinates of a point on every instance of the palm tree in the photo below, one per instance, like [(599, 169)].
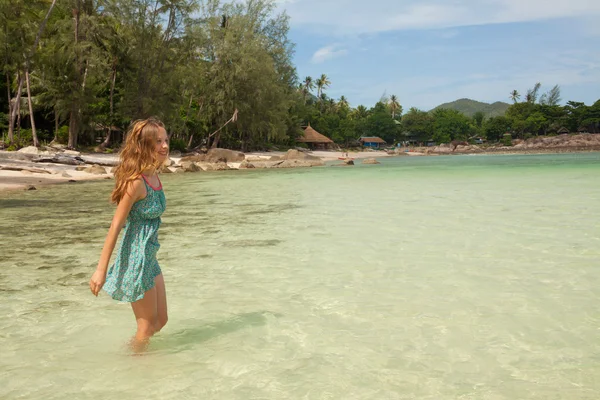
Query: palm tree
[(514, 95), (322, 83), (308, 86), (532, 94), (394, 105), (343, 102), (361, 112)]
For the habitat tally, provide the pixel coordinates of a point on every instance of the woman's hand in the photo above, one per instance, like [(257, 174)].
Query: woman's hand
[(97, 282)]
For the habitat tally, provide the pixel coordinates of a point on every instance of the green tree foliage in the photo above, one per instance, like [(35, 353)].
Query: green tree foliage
[(450, 125), (495, 127)]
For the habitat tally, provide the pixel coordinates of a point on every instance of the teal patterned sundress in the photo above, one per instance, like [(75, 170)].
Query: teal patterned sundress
[(135, 266)]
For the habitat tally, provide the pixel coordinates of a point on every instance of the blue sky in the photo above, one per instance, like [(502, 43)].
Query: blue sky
[(429, 52)]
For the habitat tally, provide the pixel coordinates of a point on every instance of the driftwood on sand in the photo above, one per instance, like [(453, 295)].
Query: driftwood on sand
[(28, 169), (60, 159)]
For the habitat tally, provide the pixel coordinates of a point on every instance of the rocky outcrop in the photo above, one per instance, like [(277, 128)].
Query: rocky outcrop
[(224, 155), (189, 166), (246, 165), (96, 170), (370, 161), (298, 155)]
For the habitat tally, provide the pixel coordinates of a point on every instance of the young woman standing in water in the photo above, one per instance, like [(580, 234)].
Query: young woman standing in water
[(135, 276)]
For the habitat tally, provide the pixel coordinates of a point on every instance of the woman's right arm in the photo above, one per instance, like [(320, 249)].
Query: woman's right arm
[(136, 191)]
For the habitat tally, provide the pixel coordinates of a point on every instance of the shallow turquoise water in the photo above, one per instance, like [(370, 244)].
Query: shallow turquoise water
[(471, 277)]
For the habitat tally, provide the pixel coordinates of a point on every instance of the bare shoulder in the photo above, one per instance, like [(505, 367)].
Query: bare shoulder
[(136, 189)]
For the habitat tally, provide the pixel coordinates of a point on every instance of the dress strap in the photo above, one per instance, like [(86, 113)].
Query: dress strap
[(149, 184)]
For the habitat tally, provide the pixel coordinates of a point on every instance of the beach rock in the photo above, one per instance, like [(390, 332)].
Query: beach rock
[(219, 166), (30, 150), (66, 175), (441, 149), (57, 146), (30, 187), (298, 163), (298, 155), (189, 166), (72, 153), (263, 164), (225, 155), (177, 170), (275, 158), (25, 172), (370, 161), (175, 153), (81, 168), (349, 162), (193, 158), (95, 169), (246, 165), (165, 170)]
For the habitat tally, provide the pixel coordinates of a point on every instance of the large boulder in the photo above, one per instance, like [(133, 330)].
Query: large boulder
[(95, 169), (298, 155), (224, 155), (219, 166), (189, 166), (30, 150), (246, 165)]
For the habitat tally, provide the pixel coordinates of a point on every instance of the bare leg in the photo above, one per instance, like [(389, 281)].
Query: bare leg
[(146, 316), (161, 303)]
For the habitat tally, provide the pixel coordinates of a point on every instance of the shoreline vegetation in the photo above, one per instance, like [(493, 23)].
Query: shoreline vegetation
[(31, 167)]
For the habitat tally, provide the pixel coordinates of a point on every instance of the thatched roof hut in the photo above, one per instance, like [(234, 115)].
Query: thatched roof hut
[(563, 131), (314, 139)]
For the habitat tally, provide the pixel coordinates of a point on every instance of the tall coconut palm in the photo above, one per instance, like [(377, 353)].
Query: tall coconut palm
[(308, 86), (343, 102), (515, 95), (394, 106), (322, 83), (361, 112)]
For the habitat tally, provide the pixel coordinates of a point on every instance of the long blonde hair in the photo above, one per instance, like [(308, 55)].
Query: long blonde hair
[(138, 154)]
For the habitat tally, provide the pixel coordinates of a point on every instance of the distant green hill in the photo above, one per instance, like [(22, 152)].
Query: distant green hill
[(470, 107)]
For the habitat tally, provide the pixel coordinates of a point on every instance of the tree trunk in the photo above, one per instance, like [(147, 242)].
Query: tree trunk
[(112, 109), (55, 125), (18, 108), (15, 111), (36, 143), (9, 101), (215, 142), (189, 145), (73, 126)]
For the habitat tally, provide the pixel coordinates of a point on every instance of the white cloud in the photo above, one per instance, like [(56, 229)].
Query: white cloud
[(359, 16), (327, 53)]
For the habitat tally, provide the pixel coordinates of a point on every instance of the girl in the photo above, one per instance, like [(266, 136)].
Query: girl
[(135, 277)]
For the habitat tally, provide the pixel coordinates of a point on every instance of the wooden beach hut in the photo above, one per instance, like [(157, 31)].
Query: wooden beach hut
[(563, 131), (314, 139), (373, 142)]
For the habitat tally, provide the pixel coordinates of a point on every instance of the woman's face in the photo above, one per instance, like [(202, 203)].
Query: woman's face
[(162, 145)]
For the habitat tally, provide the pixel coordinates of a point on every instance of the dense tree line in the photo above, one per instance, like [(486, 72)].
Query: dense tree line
[(217, 73)]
